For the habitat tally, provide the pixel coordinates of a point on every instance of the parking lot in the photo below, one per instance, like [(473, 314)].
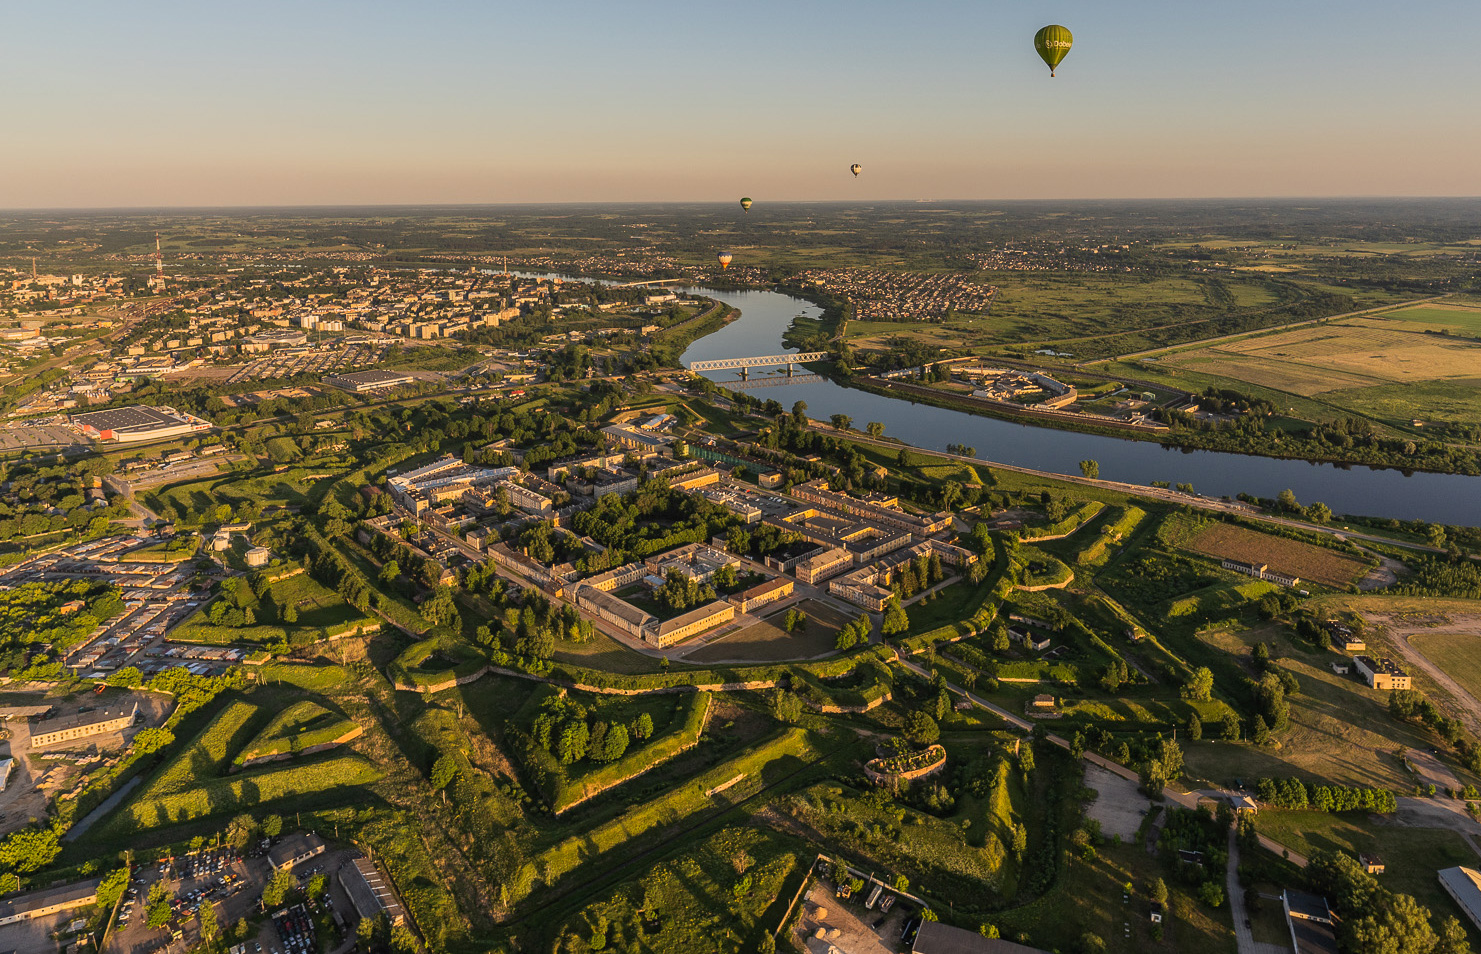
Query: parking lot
[(20, 436), (234, 884)]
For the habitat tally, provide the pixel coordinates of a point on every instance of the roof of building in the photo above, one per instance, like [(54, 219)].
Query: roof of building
[(1381, 665), (79, 893), (1310, 906), (291, 848), (137, 418), (696, 615), (617, 606), (762, 589), (1313, 937), (1464, 885), (78, 719), (370, 891), (937, 938)]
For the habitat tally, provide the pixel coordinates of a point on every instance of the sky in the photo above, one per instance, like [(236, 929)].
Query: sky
[(326, 102)]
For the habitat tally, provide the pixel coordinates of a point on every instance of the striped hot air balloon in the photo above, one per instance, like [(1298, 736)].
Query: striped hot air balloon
[(746, 203), (856, 169), (724, 259), (1053, 43)]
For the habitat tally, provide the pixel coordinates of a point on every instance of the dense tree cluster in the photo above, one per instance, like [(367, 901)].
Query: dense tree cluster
[(1375, 920), (1291, 793), (650, 520), (571, 732), (39, 620)]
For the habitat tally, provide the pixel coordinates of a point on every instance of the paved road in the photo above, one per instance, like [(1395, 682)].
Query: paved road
[(1242, 934)]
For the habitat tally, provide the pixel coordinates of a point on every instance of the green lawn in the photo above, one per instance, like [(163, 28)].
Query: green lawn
[(319, 609), (1437, 315), (1456, 654), (605, 653)]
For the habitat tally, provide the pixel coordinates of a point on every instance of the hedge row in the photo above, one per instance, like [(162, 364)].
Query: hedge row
[(679, 803)]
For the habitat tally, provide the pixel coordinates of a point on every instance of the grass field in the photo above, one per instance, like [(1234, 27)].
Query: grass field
[(693, 894), (302, 725), (1089, 897), (1465, 319), (1340, 731), (318, 609), (1310, 563), (766, 641), (604, 652), (1456, 401), (1457, 654)]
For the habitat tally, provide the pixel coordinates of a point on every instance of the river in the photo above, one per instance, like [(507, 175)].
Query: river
[(1382, 492), (1347, 489)]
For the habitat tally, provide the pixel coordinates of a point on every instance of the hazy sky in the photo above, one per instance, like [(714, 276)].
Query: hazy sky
[(321, 102)]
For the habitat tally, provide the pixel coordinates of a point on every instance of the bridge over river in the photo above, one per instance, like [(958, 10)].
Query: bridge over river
[(763, 361)]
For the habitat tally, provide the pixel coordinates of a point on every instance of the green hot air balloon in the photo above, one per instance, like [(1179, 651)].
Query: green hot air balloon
[(1053, 43), (746, 203)]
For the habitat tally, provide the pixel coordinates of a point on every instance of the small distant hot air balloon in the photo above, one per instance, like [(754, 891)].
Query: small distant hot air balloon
[(856, 169), (746, 203), (724, 259), (1053, 43)]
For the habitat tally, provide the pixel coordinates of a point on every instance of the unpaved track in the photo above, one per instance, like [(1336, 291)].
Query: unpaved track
[(1470, 706)]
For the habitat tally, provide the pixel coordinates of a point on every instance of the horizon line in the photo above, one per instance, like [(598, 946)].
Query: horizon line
[(727, 202)]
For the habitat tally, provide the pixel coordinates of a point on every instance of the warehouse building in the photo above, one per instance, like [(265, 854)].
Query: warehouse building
[(82, 725), (138, 423), (359, 382), (371, 892), (39, 904)]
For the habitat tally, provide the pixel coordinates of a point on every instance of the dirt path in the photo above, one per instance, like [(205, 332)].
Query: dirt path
[(1470, 706), (1385, 574)]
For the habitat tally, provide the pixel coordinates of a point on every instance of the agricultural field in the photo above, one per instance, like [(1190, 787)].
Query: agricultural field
[(1355, 353), (1309, 562), (1450, 314)]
